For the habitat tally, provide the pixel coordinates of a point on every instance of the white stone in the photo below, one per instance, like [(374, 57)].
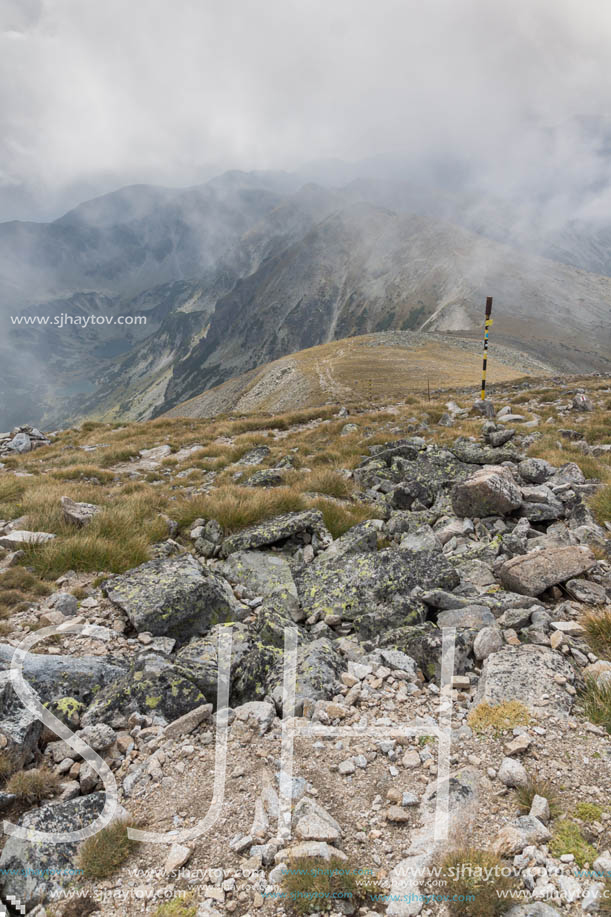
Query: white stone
[(178, 855)]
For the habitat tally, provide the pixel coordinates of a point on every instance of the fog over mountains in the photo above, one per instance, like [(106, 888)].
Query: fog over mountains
[(259, 181), (251, 266)]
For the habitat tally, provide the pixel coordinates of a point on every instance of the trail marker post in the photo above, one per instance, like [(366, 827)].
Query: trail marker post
[(486, 331)]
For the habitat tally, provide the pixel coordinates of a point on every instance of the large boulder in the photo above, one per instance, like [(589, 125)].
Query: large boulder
[(16, 539), (331, 586), (157, 689), (486, 493), (20, 443), (319, 665), (174, 597), (198, 660), (63, 677), (534, 675), (424, 642), (259, 571), (280, 528), (418, 473), (533, 573), (32, 872), (20, 730), (79, 514), (472, 453)]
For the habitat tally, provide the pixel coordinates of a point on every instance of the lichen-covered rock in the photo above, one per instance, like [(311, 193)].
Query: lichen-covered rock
[(359, 539), (534, 675), (274, 616), (33, 871), (259, 571), (267, 477), (533, 573), (319, 665), (56, 677), (535, 471), (399, 612), (174, 597), (473, 453), (540, 504), (79, 514), (475, 617), (419, 472), (20, 729), (198, 660), (276, 530), (330, 586), (255, 456), (423, 643), (165, 693), (486, 493)]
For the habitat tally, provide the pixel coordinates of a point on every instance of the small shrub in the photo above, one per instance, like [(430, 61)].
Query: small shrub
[(100, 855), (567, 838), (311, 884), (474, 883), (8, 765), (33, 785), (588, 812), (536, 786), (597, 703), (19, 578), (181, 906), (598, 632), (488, 718), (80, 907), (11, 601)]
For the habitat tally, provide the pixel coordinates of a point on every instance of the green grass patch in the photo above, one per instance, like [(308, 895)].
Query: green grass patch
[(567, 838)]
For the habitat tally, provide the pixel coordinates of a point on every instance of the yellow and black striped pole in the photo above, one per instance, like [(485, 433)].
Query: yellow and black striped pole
[(486, 331)]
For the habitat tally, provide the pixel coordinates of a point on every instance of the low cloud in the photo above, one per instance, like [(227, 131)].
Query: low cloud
[(95, 95)]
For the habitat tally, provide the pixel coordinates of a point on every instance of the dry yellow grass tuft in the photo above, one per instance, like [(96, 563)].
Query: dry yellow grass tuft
[(498, 718), (598, 632), (102, 854), (33, 785)]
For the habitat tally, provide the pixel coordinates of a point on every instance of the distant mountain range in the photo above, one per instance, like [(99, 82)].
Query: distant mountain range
[(253, 266)]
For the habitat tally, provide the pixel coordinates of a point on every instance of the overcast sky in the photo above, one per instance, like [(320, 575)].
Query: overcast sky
[(99, 93)]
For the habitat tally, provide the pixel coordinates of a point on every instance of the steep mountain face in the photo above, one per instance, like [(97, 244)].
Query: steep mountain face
[(131, 240), (365, 269), (251, 267)]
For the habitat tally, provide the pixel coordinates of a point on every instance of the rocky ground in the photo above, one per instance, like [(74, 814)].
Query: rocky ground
[(484, 528)]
